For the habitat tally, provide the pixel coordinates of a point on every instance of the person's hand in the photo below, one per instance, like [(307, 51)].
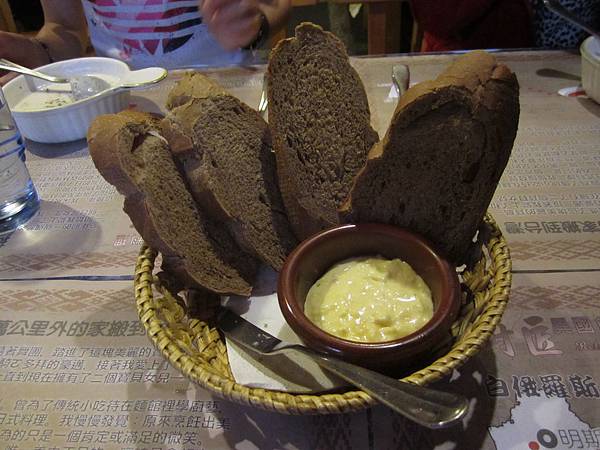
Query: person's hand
[(21, 50), (234, 23)]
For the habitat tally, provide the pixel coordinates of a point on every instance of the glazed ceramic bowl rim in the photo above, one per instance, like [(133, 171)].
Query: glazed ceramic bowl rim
[(442, 318), (586, 50)]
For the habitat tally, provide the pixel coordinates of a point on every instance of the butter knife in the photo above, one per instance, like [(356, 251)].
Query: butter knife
[(425, 406)]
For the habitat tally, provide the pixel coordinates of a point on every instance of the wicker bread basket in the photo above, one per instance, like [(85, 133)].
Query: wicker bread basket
[(199, 353)]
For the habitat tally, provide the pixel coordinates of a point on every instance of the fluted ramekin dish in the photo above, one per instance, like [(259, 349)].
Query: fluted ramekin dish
[(68, 122), (590, 67)]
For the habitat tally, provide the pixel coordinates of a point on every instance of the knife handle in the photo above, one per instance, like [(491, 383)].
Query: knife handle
[(428, 407)]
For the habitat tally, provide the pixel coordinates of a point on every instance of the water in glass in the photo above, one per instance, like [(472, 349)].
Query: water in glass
[(18, 197)]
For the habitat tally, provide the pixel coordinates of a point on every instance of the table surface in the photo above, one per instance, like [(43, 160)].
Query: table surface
[(77, 371)]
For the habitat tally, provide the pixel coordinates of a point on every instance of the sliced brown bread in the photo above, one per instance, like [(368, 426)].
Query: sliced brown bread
[(320, 121), (225, 150), (437, 167), (192, 85), (131, 155)]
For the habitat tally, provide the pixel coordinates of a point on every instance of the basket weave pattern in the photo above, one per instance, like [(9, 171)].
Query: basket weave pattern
[(199, 352)]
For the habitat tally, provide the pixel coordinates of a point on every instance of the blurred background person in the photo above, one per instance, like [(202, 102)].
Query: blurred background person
[(552, 31), (470, 24), (168, 33)]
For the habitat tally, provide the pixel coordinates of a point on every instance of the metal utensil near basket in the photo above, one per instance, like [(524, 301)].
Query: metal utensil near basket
[(82, 86), (197, 350), (428, 407)]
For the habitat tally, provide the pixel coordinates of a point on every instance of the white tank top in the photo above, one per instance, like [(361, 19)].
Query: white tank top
[(143, 33)]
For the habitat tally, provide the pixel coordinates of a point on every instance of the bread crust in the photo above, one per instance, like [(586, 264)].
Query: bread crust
[(436, 169), (103, 134), (224, 148), (320, 122), (192, 85), (112, 140)]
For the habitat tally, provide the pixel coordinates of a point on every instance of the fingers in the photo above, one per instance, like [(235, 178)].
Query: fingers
[(234, 12), (209, 7), (21, 50), (6, 78), (234, 23)]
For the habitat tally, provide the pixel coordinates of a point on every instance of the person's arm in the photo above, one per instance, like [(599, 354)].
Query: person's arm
[(65, 29), (236, 23), (63, 36)]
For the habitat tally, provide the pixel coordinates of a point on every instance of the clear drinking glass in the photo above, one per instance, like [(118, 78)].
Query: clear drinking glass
[(18, 198)]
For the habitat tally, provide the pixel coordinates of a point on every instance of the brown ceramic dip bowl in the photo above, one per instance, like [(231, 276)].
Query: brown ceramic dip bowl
[(316, 255)]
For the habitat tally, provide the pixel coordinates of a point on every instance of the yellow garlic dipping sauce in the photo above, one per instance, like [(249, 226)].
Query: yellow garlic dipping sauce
[(369, 299)]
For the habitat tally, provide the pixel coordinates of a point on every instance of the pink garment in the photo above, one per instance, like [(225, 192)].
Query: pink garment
[(168, 33)]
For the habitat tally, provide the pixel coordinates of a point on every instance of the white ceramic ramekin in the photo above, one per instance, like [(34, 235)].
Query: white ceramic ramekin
[(590, 67), (71, 121)]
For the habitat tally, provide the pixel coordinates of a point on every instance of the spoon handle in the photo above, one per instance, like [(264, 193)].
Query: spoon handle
[(428, 407), (12, 67), (142, 77)]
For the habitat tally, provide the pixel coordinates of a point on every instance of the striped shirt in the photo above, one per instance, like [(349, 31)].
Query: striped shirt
[(143, 33)]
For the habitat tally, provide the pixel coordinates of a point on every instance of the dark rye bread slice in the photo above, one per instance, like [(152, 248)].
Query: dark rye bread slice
[(320, 122), (132, 156), (437, 167), (192, 85), (225, 150)]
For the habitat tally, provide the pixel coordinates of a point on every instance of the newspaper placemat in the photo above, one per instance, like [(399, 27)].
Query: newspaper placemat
[(80, 229), (77, 371)]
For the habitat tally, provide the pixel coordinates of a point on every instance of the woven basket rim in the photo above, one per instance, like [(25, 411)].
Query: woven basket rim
[(490, 288)]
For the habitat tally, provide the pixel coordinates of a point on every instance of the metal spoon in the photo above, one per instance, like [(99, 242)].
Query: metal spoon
[(400, 78), (264, 102), (556, 7), (82, 86)]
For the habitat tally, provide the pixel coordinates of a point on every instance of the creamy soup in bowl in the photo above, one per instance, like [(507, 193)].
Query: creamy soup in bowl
[(47, 112), (53, 95)]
